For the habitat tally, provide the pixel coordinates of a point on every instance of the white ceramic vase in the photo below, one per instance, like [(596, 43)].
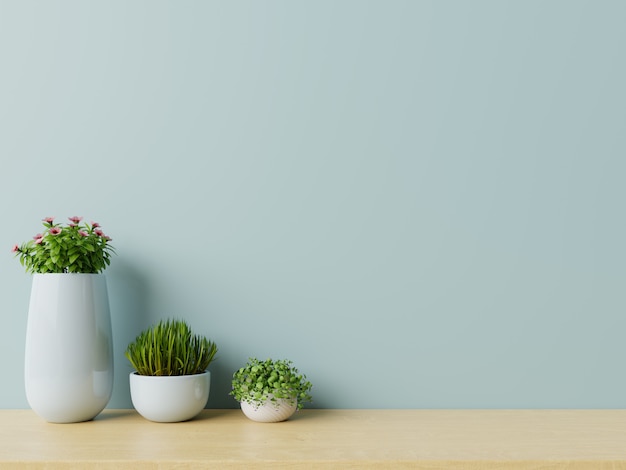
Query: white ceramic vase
[(69, 349), (270, 411), (169, 399)]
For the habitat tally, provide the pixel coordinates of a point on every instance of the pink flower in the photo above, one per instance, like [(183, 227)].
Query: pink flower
[(55, 231), (15, 249), (95, 224), (83, 233), (49, 220), (39, 235), (75, 219), (38, 241), (100, 233)]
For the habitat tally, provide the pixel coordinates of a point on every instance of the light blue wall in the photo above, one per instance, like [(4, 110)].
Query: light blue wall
[(420, 203)]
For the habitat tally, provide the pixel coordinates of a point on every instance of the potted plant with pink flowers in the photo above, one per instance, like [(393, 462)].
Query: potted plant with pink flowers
[(69, 348), (74, 248)]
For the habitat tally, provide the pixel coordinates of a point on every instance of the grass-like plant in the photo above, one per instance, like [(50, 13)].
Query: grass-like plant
[(170, 348), (257, 382)]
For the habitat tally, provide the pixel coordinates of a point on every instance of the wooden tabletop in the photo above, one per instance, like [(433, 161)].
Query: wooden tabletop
[(226, 439)]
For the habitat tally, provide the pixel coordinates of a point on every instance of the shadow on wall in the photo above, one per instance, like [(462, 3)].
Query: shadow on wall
[(221, 379), (128, 294)]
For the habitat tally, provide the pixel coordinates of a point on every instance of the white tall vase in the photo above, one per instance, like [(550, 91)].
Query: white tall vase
[(69, 349)]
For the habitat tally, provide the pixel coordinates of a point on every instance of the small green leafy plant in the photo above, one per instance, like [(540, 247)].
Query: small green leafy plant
[(73, 248), (258, 382), (170, 348)]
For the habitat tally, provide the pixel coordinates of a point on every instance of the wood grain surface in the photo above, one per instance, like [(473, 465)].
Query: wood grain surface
[(226, 439)]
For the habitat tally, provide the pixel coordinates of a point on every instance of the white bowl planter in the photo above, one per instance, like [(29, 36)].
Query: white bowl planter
[(270, 411), (169, 399)]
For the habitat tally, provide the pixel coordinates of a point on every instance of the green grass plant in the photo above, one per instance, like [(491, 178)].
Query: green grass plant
[(170, 348)]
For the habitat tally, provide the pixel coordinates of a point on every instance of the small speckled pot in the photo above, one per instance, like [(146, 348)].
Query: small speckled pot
[(270, 411)]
